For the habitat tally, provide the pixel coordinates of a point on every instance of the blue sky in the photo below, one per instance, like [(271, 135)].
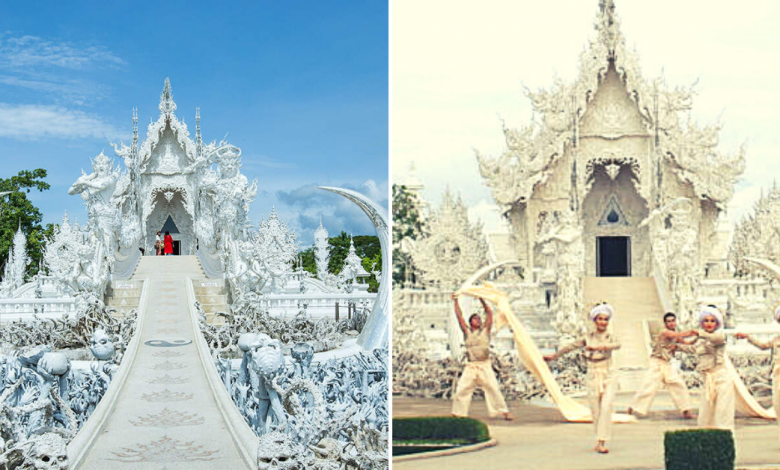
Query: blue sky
[(301, 87)]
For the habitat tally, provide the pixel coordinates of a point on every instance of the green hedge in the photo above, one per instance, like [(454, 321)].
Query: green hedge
[(440, 429), (699, 449)]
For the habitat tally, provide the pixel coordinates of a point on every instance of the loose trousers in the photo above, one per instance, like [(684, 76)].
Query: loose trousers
[(478, 373), (602, 386), (718, 399), (661, 372)]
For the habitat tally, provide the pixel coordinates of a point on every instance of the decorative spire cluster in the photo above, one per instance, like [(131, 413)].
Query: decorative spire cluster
[(167, 105), (321, 251)]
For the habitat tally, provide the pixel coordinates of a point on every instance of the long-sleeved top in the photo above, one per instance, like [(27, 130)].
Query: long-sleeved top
[(594, 339), (773, 344), (710, 347)]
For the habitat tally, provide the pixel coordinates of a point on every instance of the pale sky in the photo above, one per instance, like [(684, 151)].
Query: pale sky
[(459, 67)]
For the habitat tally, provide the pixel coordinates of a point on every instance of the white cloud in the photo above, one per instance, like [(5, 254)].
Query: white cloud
[(31, 51), (31, 122)]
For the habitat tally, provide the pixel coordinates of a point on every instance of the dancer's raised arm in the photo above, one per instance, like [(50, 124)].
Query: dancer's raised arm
[(463, 326), (488, 314)]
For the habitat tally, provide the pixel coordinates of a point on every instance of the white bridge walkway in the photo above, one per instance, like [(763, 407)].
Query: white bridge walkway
[(165, 414)]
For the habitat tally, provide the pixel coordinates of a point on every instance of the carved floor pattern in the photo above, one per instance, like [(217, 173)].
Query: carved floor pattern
[(168, 353), (165, 450), (168, 380), (168, 321), (169, 365), (166, 396), (167, 419)]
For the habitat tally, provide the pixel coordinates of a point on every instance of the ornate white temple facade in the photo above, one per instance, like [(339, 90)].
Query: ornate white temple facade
[(612, 179), (169, 184)]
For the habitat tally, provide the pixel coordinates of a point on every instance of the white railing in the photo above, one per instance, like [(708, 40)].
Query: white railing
[(210, 264), (16, 309), (124, 266), (317, 304)]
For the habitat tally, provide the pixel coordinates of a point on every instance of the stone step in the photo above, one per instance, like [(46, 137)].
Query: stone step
[(123, 301), (636, 302), (212, 308)]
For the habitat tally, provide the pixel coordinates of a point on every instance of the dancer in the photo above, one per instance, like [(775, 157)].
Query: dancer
[(716, 409), (661, 371), (600, 380), (773, 344), (478, 371), (168, 243)]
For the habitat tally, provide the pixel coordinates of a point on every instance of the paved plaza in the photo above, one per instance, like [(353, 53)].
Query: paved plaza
[(540, 439)]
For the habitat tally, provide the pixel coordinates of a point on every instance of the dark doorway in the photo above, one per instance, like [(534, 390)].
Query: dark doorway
[(176, 247), (614, 256)]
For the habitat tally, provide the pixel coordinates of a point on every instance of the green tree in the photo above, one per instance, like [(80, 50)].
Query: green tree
[(407, 224), (367, 247), (17, 209), (309, 262), (370, 263)]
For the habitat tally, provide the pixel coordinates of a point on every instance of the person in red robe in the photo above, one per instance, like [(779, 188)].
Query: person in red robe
[(168, 243)]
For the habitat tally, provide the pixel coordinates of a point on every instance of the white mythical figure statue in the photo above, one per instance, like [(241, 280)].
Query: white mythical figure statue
[(76, 259), (96, 190), (230, 192)]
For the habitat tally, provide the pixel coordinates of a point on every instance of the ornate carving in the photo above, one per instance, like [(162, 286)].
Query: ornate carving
[(168, 380), (168, 419), (165, 450), (452, 248), (166, 396)]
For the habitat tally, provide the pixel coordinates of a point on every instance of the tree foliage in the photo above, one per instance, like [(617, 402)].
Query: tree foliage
[(367, 247), (18, 210), (407, 224)]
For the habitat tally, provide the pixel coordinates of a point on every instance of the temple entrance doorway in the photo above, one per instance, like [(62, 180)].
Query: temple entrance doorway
[(171, 216), (613, 255)]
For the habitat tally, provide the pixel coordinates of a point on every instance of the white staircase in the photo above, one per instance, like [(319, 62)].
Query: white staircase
[(636, 301)]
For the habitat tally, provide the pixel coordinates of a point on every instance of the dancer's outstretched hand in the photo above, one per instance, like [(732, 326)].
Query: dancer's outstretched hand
[(548, 358), (741, 335)]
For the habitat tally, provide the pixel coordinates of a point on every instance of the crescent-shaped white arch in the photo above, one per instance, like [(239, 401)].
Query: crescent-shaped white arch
[(375, 332)]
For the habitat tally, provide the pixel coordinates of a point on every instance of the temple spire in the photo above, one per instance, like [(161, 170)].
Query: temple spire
[(198, 138), (167, 105)]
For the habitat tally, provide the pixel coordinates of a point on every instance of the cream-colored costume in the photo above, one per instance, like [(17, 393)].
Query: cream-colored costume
[(600, 380), (773, 344), (716, 409), (478, 372), (661, 372)]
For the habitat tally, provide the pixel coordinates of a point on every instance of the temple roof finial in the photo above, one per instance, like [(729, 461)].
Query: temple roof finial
[(167, 105)]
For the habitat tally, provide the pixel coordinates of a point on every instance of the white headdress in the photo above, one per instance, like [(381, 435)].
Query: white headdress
[(602, 308), (711, 310)]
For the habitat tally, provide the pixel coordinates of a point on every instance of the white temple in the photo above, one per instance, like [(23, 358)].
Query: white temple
[(610, 194), (196, 192)]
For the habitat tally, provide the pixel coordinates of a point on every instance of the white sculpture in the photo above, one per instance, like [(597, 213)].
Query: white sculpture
[(76, 259), (231, 193), (96, 190), (452, 247), (15, 266), (321, 251)]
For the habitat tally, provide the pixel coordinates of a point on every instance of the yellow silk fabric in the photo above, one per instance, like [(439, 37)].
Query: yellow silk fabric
[(532, 357)]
